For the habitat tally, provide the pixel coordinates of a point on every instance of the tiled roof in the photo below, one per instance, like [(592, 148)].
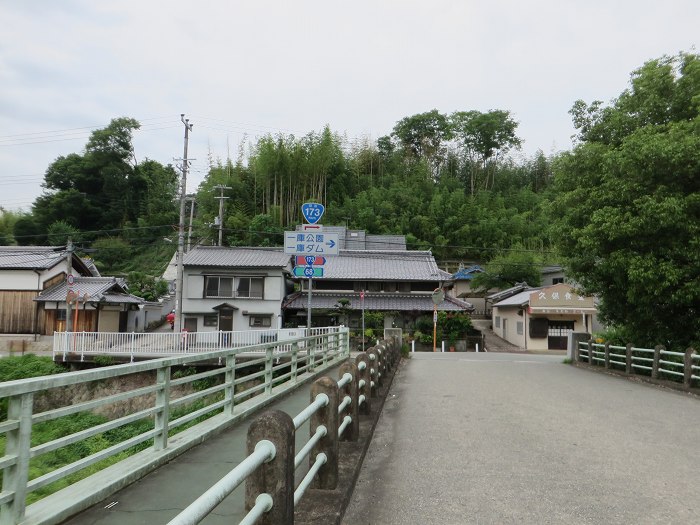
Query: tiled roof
[(106, 289), (518, 299), (38, 258), (374, 302), (30, 257), (509, 292), (231, 257), (467, 274), (383, 265)]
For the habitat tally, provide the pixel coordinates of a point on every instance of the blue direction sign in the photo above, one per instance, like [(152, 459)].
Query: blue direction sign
[(307, 243), (308, 271), (312, 212)]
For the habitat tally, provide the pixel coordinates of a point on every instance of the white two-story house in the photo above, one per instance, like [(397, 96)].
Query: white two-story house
[(234, 289)]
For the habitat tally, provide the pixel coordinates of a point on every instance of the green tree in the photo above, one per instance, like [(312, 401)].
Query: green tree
[(483, 138), (424, 137), (264, 231), (27, 231), (628, 204), (146, 286), (109, 252), (8, 220), (61, 231), (505, 270)]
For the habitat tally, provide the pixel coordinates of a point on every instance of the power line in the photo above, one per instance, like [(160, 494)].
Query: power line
[(94, 127)]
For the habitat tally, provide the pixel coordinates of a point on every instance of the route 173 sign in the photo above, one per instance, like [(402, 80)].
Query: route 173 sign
[(312, 212)]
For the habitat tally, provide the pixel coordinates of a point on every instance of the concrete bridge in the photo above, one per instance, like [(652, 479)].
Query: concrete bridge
[(506, 438), (476, 438)]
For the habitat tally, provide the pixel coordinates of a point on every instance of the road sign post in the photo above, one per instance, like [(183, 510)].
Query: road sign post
[(438, 296), (362, 302)]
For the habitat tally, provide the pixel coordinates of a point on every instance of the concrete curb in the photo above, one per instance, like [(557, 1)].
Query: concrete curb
[(327, 507)]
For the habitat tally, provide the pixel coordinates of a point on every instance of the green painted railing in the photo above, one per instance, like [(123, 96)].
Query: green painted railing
[(656, 363), (179, 410)]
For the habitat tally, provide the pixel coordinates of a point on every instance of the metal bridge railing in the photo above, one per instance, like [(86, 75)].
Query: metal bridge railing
[(162, 344), (175, 399), (657, 362), (270, 494)]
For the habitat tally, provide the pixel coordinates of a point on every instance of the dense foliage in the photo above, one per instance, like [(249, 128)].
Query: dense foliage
[(628, 197), (444, 181)]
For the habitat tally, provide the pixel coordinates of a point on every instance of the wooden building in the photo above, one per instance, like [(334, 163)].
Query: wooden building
[(25, 271)]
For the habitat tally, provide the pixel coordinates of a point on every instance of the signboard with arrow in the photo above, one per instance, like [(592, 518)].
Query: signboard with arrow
[(306, 243)]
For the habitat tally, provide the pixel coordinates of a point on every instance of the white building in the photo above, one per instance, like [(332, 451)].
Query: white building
[(541, 318), (232, 289)]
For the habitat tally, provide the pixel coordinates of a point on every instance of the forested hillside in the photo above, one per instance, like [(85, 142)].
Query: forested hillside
[(453, 191)]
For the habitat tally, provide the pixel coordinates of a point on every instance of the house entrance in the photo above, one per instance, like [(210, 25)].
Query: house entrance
[(226, 319), (558, 334)]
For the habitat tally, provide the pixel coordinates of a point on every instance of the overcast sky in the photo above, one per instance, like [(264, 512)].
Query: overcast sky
[(243, 69)]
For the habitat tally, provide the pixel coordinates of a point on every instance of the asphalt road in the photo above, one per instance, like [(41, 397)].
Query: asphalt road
[(506, 438)]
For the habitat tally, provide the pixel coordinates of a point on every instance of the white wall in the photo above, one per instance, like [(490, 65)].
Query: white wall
[(194, 305), (19, 280)]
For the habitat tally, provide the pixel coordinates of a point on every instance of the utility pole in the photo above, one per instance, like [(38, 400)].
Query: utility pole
[(221, 210), (69, 279), (181, 228), (189, 232)]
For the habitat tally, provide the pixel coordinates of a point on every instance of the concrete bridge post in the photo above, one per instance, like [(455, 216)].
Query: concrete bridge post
[(295, 361), (655, 362), (352, 432), (380, 365), (688, 367), (268, 370), (590, 351), (607, 354), (162, 415), (18, 443), (628, 359), (373, 367), (276, 477), (327, 416), (364, 379), (230, 381)]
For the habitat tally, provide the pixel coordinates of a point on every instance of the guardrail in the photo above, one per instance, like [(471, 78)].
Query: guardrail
[(656, 363), (269, 470), (222, 395), (154, 344)]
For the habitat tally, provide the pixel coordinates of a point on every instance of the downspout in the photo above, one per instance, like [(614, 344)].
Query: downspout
[(525, 328), (35, 322)]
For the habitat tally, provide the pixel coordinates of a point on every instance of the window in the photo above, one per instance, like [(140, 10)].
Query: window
[(560, 328), (260, 321), (211, 320), (251, 287), (60, 315), (498, 321), (374, 286), (218, 286), (557, 280), (519, 327), (390, 287), (538, 328), (405, 287), (215, 286), (359, 286)]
